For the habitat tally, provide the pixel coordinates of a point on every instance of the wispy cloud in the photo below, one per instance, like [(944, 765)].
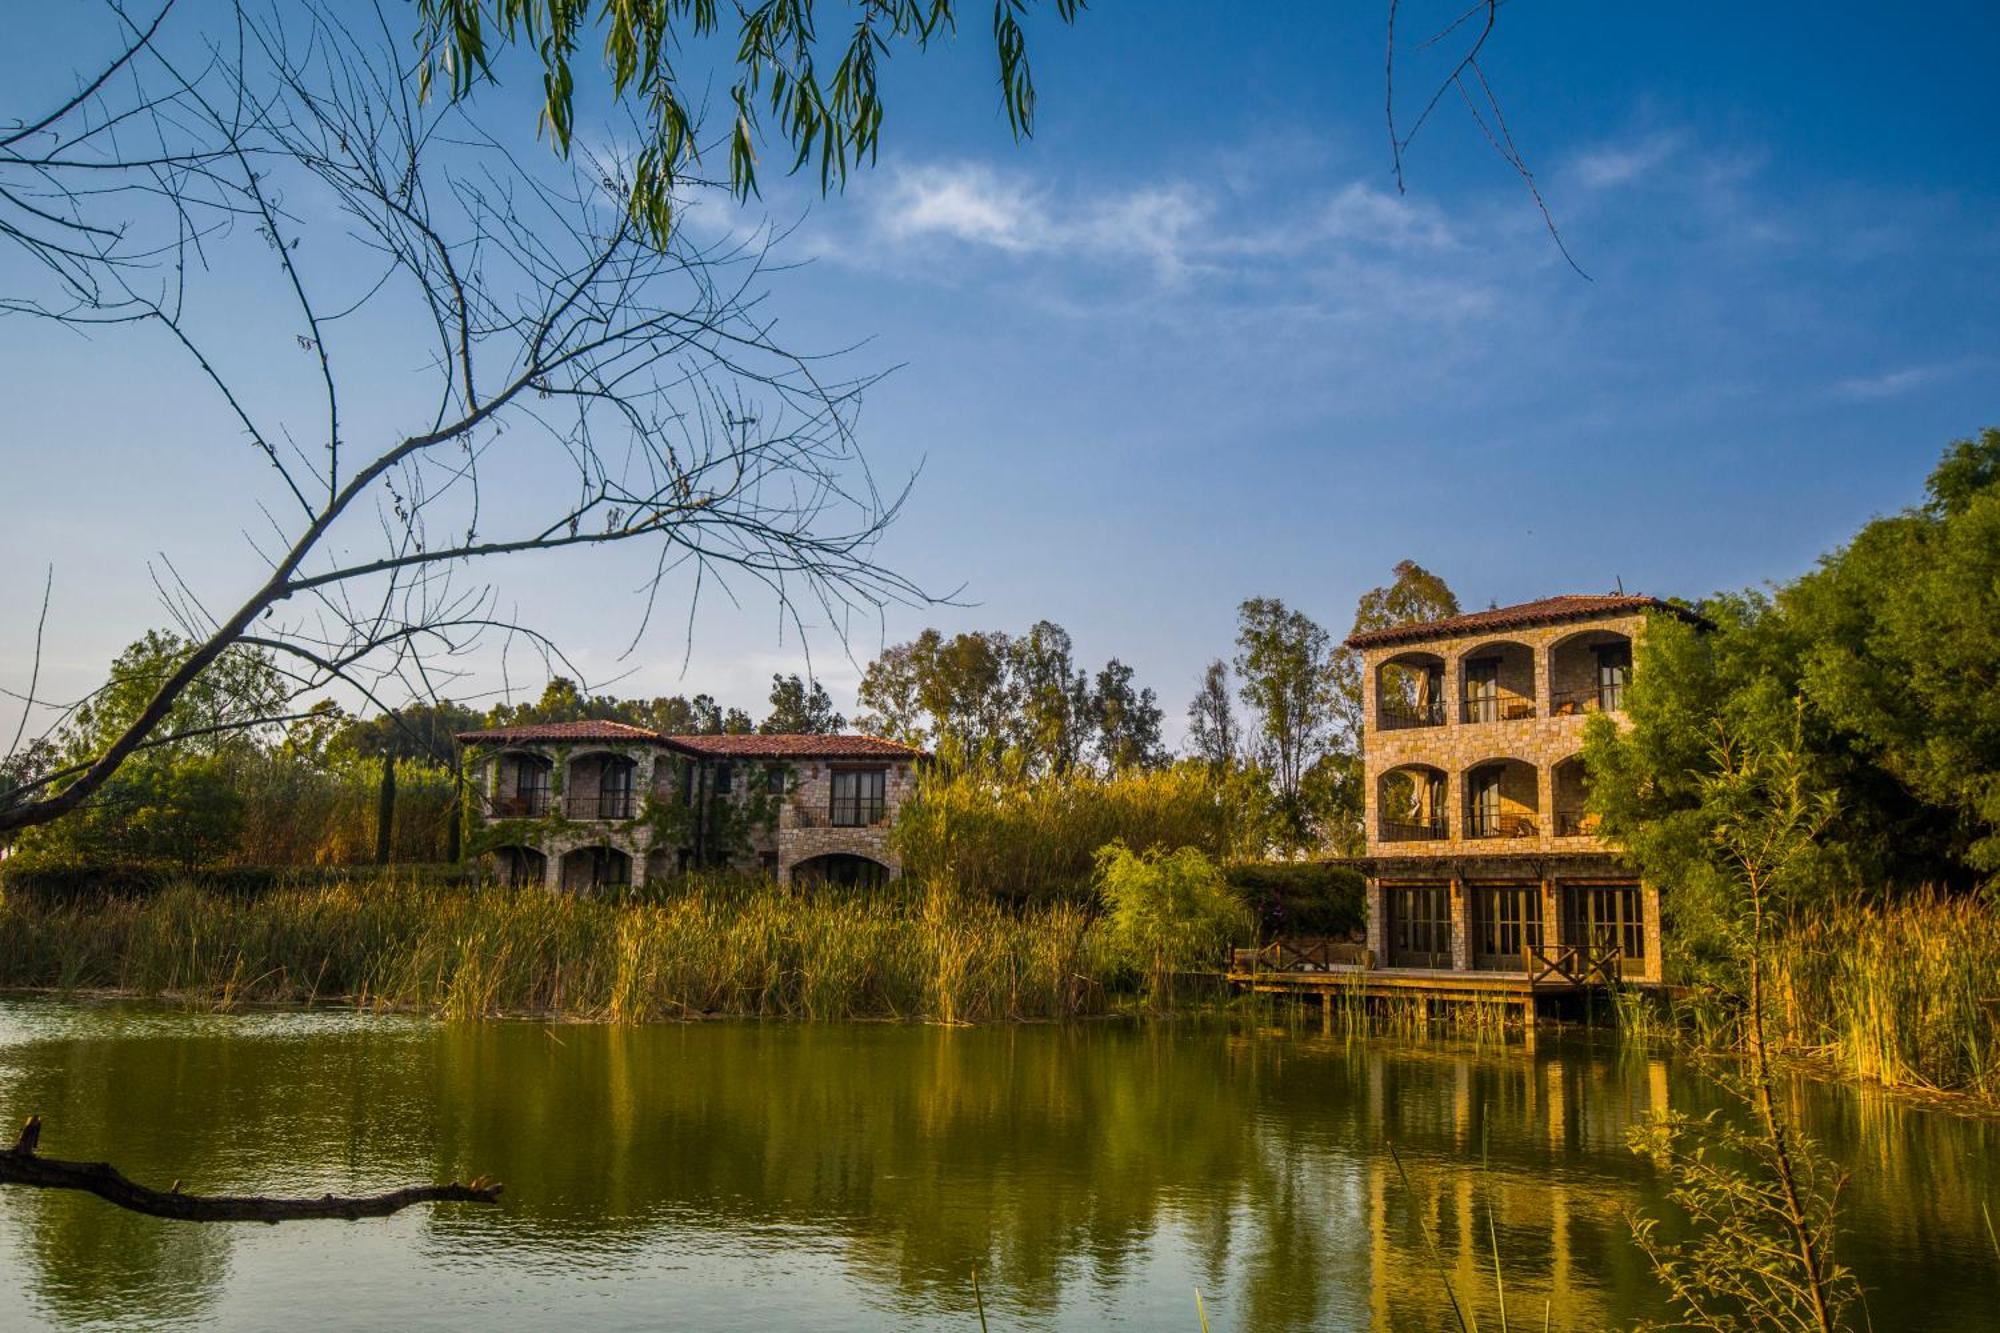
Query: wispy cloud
[(1889, 384), (1609, 166)]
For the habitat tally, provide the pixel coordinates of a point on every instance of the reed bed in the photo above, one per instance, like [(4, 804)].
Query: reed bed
[(1906, 994), (715, 949)]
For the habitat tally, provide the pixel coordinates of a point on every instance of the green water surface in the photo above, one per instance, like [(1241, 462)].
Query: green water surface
[(737, 1176)]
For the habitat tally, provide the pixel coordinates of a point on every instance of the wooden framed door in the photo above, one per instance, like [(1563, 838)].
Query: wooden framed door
[(1506, 920), (1603, 915), (1419, 924)]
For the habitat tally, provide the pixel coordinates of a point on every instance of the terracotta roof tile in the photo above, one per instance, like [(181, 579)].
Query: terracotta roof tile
[(1545, 611), (797, 746), (593, 730)]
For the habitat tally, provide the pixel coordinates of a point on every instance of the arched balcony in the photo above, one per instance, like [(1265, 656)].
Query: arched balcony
[(1496, 682), (1502, 800), (519, 867), (1409, 692), (1571, 792), (1410, 805), (599, 786), (1588, 673), (596, 870), (521, 785)]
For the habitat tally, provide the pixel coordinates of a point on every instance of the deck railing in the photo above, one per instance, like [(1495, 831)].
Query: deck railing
[(1416, 830), (1576, 824), (841, 814), (1303, 954), (1576, 964)]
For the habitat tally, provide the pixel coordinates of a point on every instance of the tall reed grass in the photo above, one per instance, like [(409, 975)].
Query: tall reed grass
[(717, 948), (1906, 994)]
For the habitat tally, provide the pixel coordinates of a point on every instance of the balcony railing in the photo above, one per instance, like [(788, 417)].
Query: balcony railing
[(1498, 708), (600, 805), (1575, 824), (1499, 826), (521, 805), (841, 813), (1415, 830), (1401, 716), (1596, 699)]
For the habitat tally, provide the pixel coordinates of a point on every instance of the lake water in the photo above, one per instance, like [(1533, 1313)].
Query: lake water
[(736, 1176)]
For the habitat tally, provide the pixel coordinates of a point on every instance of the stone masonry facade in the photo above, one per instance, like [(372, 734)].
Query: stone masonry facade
[(588, 806), (1503, 694)]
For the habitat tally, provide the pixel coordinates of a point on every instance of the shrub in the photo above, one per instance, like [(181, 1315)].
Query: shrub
[(1302, 897), (1167, 912)]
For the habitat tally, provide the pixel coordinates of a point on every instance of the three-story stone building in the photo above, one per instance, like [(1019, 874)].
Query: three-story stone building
[(602, 806), (1481, 854)]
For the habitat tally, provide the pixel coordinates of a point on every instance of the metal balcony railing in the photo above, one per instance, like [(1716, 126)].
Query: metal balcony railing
[(1498, 708), (1402, 715), (1596, 699), (531, 804), (1577, 823), (599, 805), (1415, 830), (1499, 826)]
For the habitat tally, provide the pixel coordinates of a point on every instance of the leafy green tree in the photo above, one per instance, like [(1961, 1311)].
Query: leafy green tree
[(1053, 705), (1214, 734), (1127, 721), (228, 706), (175, 810), (798, 708), (823, 98), (1291, 682)]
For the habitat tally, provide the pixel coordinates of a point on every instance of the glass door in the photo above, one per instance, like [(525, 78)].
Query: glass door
[(1419, 924), (1601, 916), (1507, 921)]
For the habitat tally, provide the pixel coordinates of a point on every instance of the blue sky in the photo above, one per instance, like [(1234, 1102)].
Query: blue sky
[(1190, 345)]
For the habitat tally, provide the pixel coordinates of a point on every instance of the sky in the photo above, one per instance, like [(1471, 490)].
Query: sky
[(1190, 343)]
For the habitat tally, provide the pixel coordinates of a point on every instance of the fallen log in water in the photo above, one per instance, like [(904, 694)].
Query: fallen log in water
[(21, 1165)]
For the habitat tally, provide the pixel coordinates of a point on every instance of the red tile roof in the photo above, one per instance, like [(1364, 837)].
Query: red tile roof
[(1545, 611), (566, 731), (797, 746), (790, 746)]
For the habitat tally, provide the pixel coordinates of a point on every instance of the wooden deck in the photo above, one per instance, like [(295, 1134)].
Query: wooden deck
[(1307, 968)]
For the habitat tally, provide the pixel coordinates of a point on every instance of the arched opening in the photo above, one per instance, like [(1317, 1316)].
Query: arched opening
[(841, 870), (1502, 799), (1496, 682), (1588, 673), (1409, 692), (599, 786), (1572, 794), (519, 867), (1410, 805), (596, 870), (521, 785)]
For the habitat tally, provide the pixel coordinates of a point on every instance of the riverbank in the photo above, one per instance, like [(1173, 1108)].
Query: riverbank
[(717, 949)]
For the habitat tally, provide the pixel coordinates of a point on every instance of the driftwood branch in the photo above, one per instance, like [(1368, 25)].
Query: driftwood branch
[(20, 1165)]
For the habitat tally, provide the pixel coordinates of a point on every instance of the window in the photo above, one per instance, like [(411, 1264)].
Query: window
[(858, 797), (1482, 809), (1482, 689), (774, 780), (723, 775), (1614, 668), (614, 791)]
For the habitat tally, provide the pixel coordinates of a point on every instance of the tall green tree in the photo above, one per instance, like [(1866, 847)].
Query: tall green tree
[(1291, 682), (1127, 721), (800, 708), (1214, 734)]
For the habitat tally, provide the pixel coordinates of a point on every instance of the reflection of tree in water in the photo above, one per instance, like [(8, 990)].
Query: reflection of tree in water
[(1054, 1160)]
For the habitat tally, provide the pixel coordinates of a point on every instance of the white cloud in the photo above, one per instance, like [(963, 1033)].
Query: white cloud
[(1889, 384), (1612, 165)]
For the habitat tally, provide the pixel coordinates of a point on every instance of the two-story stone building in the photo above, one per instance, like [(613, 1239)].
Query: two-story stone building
[(1481, 856), (594, 806)]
